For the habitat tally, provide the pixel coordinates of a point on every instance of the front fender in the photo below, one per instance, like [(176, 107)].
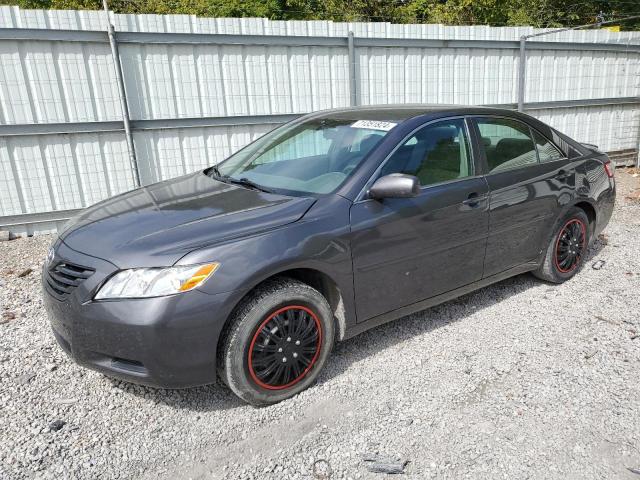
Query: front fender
[(319, 241)]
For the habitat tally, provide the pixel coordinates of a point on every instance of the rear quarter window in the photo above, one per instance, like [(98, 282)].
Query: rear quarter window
[(547, 151), (568, 147)]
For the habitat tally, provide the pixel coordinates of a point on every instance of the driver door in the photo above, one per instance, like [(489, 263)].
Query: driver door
[(406, 250)]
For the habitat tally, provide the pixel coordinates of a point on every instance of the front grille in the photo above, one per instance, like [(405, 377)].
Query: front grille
[(64, 277)]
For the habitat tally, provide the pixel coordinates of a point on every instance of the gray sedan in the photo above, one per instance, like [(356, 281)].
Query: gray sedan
[(325, 227)]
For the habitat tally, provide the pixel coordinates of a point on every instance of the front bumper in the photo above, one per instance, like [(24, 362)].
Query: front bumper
[(167, 342)]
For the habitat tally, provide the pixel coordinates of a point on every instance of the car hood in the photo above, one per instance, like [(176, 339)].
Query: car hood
[(158, 224)]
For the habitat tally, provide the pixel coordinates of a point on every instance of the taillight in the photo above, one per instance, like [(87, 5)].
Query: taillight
[(608, 167)]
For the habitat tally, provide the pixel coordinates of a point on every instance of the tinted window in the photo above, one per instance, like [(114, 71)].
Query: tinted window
[(567, 148), (547, 152), (435, 153), (507, 143)]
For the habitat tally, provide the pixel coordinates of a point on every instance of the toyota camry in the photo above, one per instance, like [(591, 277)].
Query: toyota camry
[(334, 223)]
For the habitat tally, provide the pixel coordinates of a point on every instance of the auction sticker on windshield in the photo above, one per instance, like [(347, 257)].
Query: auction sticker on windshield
[(374, 125)]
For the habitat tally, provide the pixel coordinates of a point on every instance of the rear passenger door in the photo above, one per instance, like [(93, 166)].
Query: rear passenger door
[(529, 181)]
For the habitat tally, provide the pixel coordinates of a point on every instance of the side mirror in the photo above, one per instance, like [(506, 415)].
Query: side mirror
[(395, 185)]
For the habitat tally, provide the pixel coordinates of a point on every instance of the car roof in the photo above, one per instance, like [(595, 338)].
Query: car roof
[(403, 112)]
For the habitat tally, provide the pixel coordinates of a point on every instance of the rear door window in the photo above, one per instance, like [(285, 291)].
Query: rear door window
[(507, 143)]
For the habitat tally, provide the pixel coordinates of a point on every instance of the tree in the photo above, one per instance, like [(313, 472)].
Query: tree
[(537, 13)]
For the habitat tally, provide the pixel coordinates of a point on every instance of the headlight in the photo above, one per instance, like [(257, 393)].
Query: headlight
[(155, 282)]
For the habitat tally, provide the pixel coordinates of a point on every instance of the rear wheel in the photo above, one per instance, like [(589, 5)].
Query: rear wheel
[(567, 248), (277, 342)]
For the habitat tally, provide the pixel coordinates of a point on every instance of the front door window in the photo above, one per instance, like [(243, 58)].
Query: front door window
[(436, 153)]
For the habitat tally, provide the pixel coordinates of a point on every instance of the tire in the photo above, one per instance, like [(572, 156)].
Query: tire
[(560, 262), (276, 342)]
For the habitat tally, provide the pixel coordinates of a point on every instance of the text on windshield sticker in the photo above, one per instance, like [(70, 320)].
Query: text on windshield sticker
[(374, 125)]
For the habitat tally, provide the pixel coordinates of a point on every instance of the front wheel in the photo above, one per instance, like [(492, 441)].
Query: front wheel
[(567, 248), (277, 342)]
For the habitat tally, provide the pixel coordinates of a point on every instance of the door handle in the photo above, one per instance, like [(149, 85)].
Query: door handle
[(473, 199)]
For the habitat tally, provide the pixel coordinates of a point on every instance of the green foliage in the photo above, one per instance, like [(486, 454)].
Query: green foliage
[(537, 13)]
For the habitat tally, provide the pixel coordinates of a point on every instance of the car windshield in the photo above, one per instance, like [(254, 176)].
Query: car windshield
[(312, 157)]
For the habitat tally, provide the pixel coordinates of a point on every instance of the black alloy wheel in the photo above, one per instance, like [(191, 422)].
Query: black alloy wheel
[(570, 245), (277, 341), (285, 347), (567, 247)]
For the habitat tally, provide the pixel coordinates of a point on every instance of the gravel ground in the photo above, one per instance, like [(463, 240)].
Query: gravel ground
[(518, 380)]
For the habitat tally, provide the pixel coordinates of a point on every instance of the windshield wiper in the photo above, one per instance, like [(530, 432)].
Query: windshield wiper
[(245, 182)]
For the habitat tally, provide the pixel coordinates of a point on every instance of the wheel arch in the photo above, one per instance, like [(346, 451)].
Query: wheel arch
[(329, 290), (315, 278), (583, 204), (590, 211)]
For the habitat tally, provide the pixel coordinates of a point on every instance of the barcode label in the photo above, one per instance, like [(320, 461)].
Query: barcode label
[(374, 125)]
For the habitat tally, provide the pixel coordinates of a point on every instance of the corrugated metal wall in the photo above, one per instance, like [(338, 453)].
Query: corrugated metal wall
[(61, 82)]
